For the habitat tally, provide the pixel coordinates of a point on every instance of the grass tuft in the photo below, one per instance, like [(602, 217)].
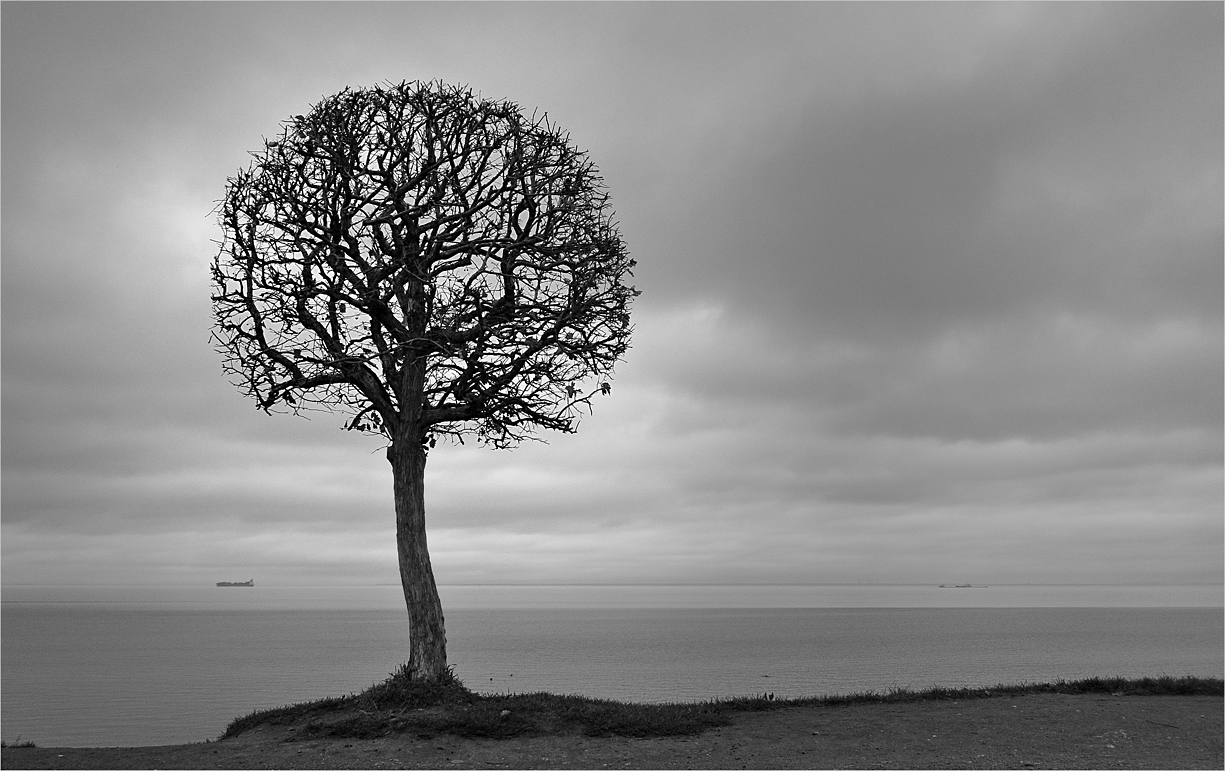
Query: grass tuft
[(18, 743), (402, 705), (399, 691), (1117, 686)]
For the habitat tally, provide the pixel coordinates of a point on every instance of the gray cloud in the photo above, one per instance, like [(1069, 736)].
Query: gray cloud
[(951, 202), (929, 289)]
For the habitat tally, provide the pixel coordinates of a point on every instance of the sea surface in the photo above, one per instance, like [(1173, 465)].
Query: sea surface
[(128, 666)]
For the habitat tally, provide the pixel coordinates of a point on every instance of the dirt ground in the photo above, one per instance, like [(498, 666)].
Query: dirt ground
[(1021, 732)]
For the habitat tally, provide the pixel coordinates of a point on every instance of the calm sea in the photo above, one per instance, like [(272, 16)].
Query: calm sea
[(105, 666)]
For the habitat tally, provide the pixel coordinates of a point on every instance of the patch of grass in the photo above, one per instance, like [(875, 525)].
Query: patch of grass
[(16, 744), (401, 705), (399, 691), (1117, 686)]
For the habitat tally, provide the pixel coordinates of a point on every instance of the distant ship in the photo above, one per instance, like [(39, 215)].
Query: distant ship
[(963, 586), (250, 582)]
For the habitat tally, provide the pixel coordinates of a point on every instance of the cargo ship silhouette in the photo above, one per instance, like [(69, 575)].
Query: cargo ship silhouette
[(250, 582)]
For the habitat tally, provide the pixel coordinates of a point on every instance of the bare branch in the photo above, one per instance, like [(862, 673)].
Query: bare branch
[(415, 254)]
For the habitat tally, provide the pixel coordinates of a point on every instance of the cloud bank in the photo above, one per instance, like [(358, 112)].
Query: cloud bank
[(932, 293)]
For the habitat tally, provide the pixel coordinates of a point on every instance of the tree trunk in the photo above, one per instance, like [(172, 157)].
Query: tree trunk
[(427, 639)]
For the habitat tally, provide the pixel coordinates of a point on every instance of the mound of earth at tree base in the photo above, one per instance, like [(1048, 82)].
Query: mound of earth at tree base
[(1006, 730)]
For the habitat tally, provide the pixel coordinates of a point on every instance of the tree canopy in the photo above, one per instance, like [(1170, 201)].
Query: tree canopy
[(426, 261)]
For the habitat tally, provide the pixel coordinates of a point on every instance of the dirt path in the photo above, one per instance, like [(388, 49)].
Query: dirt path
[(1035, 731)]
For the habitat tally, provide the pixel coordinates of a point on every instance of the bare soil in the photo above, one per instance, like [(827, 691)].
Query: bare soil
[(1097, 731)]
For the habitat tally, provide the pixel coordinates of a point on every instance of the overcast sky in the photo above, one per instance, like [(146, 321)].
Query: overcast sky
[(931, 293)]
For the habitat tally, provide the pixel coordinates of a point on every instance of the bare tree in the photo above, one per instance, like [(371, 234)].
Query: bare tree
[(432, 265)]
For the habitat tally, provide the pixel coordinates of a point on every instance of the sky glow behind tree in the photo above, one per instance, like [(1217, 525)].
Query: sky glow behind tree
[(931, 293)]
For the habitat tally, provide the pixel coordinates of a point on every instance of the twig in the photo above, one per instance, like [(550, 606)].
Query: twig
[(1167, 725)]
